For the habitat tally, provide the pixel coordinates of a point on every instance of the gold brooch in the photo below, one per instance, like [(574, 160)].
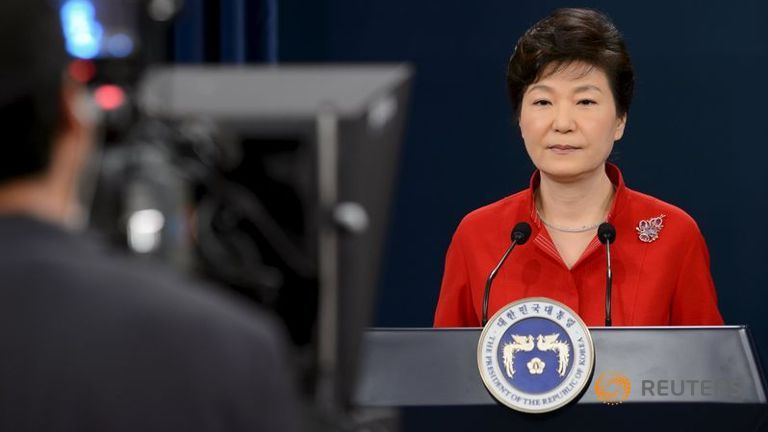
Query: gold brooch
[(648, 230)]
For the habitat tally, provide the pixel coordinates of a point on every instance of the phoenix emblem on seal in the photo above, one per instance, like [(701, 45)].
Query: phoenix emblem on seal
[(524, 343)]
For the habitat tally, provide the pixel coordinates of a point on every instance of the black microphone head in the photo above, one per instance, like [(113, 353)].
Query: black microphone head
[(521, 233), (606, 233)]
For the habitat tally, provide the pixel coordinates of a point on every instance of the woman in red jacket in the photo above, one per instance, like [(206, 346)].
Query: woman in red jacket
[(570, 80)]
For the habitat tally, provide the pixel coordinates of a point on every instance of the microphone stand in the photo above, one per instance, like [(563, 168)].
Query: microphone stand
[(608, 285), (606, 233), (490, 279)]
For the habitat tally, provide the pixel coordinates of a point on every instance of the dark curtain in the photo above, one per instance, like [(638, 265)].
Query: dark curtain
[(225, 31)]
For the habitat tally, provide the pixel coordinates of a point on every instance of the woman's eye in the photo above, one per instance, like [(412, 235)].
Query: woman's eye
[(541, 102), (587, 102)]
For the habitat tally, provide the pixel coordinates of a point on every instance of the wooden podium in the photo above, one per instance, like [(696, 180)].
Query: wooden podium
[(682, 378)]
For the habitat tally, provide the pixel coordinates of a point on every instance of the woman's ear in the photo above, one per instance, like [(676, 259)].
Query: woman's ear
[(621, 123)]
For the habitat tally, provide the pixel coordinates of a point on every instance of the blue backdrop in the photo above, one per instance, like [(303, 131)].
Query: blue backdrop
[(697, 134)]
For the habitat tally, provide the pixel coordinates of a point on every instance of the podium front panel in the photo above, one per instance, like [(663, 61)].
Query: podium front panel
[(438, 367)]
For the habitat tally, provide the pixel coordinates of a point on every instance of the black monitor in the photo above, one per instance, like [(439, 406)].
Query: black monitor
[(318, 150)]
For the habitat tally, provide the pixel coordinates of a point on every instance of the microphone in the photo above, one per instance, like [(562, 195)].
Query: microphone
[(606, 233), (520, 235)]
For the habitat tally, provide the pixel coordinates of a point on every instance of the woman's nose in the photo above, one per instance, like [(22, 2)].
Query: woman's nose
[(563, 121)]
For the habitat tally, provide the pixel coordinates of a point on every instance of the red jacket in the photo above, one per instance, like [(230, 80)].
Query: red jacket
[(657, 283)]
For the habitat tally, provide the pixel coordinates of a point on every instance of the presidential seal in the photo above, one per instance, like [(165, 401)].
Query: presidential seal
[(535, 355)]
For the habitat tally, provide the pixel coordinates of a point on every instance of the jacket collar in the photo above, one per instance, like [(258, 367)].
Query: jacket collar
[(614, 174)]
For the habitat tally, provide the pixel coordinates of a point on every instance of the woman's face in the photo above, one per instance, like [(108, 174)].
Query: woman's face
[(568, 121)]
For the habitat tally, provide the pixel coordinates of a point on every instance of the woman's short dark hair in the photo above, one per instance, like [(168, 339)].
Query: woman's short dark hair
[(567, 36)]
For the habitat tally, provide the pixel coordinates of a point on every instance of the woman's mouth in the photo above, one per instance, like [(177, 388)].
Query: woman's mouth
[(562, 149)]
